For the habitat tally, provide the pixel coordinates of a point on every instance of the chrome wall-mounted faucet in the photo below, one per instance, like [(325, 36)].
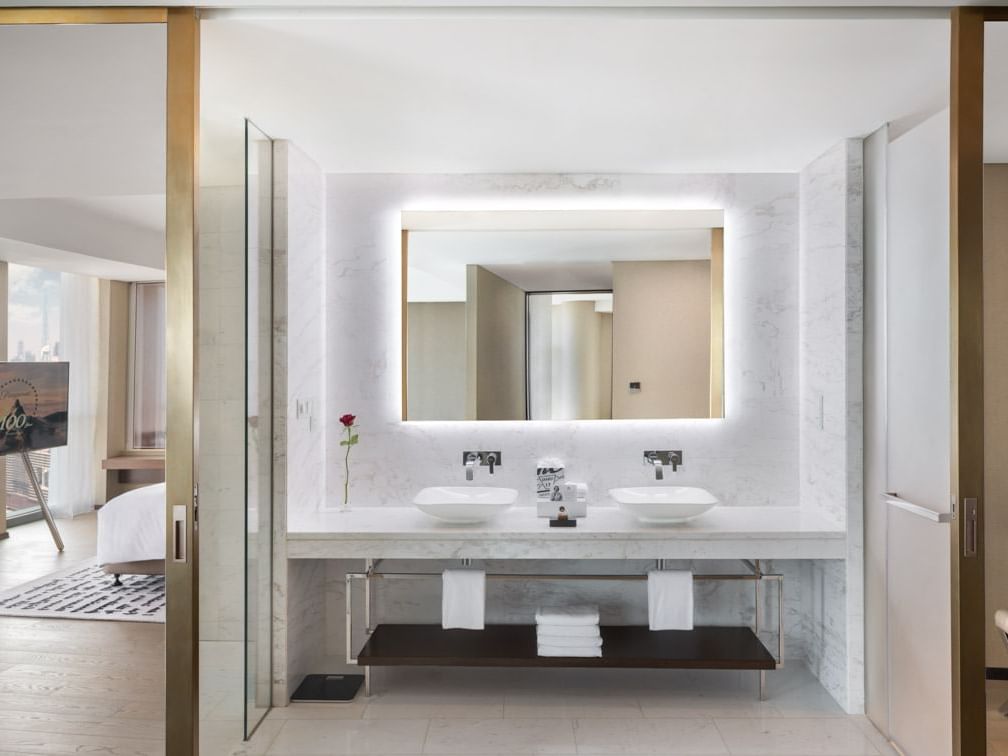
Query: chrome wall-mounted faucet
[(658, 459), (471, 459)]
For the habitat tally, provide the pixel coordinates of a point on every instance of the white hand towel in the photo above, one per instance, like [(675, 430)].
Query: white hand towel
[(561, 641), (583, 651), (569, 631), (463, 599), (670, 600), (567, 615)]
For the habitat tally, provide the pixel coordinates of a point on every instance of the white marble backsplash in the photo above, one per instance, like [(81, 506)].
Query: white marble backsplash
[(299, 401), (747, 459), (831, 436), (222, 419), (221, 451)]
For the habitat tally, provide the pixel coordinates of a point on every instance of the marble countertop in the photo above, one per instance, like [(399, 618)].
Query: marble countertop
[(607, 533)]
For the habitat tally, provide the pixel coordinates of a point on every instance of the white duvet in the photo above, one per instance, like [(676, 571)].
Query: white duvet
[(131, 527)]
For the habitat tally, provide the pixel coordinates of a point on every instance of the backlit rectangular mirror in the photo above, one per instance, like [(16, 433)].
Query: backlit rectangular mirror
[(563, 315)]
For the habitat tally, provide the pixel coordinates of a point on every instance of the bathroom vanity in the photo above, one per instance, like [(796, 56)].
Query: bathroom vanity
[(747, 535)]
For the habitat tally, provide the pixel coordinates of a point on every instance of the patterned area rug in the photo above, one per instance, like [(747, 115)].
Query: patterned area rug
[(86, 592)]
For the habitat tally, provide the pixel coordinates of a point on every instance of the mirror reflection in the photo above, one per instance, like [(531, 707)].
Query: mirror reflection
[(563, 316)]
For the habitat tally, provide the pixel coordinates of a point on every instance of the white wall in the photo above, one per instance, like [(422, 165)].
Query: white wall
[(747, 459), (876, 148), (918, 431)]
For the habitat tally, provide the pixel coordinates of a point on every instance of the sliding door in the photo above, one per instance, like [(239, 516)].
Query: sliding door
[(90, 181), (918, 444)]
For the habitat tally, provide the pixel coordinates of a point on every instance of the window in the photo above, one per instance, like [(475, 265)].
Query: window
[(33, 335), (148, 386)]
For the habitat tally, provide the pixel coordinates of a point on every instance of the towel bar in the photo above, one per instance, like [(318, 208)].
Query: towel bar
[(916, 509)]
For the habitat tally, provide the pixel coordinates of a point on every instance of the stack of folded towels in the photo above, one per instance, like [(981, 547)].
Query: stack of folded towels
[(568, 631)]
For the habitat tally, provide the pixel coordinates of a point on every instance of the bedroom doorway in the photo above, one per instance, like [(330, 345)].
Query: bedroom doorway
[(97, 188)]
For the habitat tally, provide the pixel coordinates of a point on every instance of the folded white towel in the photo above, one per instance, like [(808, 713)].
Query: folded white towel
[(584, 651), (670, 600), (561, 641), (567, 615), (569, 631), (463, 599)]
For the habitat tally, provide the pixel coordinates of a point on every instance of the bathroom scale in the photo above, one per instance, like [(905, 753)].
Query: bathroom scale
[(322, 688)]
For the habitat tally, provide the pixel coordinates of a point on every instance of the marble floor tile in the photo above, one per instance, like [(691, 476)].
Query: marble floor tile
[(492, 736), (449, 712), (340, 710), (874, 735), (217, 738), (648, 736), (706, 705), (349, 737), (600, 702), (419, 710), (781, 737)]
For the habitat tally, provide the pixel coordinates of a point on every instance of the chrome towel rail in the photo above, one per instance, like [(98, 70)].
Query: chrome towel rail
[(916, 509)]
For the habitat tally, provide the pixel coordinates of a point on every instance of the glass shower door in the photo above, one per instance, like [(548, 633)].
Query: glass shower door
[(258, 424)]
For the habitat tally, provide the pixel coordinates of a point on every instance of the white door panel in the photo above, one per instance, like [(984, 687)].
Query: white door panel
[(918, 423)]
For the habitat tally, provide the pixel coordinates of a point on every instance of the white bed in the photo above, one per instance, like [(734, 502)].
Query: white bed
[(131, 532)]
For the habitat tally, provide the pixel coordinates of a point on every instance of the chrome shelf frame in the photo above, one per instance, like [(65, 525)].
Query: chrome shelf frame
[(755, 574)]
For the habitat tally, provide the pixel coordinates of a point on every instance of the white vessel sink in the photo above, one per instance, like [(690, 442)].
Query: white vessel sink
[(664, 504), (465, 504)]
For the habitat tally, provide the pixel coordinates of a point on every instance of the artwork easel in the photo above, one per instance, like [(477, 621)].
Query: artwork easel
[(43, 504)]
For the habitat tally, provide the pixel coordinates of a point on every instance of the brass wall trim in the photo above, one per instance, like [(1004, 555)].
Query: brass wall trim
[(966, 301), (717, 408), (93, 15), (182, 576), (404, 283)]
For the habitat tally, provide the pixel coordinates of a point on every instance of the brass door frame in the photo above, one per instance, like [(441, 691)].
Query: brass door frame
[(966, 258), (182, 129)]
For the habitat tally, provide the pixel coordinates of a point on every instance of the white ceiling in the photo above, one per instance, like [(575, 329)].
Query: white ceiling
[(538, 260), (566, 93), (82, 168)]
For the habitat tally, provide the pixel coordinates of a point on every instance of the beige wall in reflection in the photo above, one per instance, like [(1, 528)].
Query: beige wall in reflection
[(661, 337), (495, 352), (995, 283), (436, 357)]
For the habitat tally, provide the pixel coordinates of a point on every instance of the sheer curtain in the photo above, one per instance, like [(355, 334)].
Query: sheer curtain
[(74, 480)]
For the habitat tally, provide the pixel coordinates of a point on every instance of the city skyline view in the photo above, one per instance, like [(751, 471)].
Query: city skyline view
[(33, 331)]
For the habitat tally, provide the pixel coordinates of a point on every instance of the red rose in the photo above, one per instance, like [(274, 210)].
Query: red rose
[(348, 419)]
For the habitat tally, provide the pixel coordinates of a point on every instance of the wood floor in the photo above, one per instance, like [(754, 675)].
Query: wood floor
[(73, 686)]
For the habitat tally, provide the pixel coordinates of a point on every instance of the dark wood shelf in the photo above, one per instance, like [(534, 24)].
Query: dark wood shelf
[(515, 646)]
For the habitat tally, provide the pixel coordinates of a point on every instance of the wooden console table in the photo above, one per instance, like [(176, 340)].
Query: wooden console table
[(133, 470)]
